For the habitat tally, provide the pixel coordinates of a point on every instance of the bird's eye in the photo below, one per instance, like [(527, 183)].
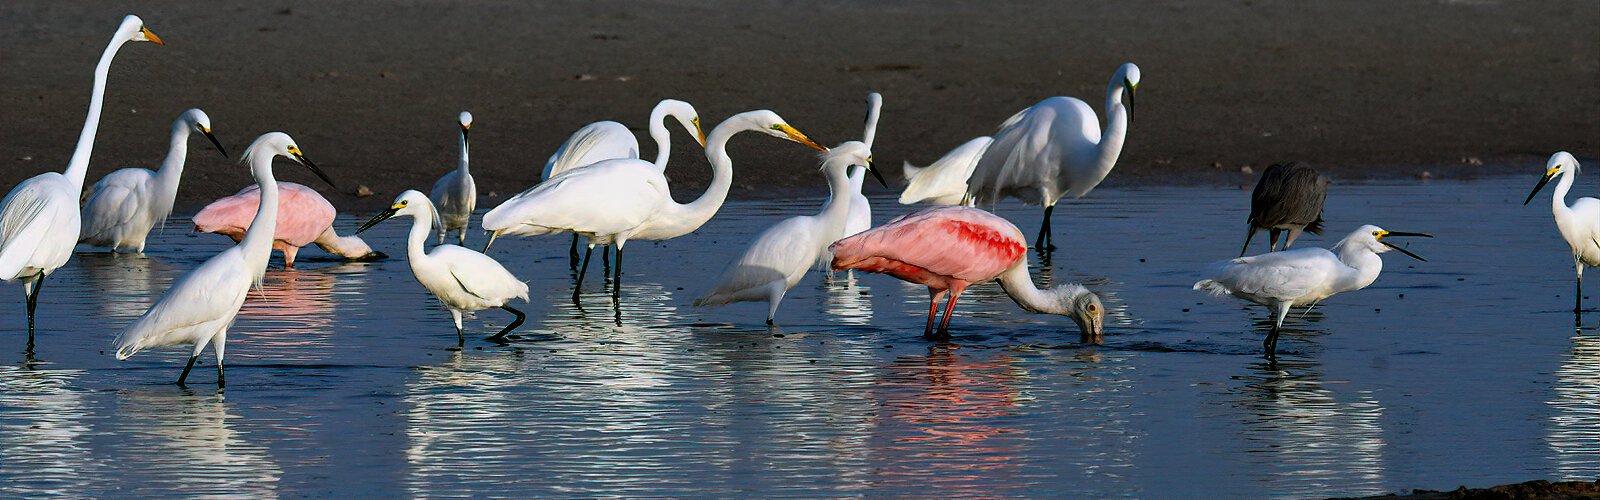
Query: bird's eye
[(1092, 308), (404, 202)]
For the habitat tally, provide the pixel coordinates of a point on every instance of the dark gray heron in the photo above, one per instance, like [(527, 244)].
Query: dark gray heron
[(1289, 198)]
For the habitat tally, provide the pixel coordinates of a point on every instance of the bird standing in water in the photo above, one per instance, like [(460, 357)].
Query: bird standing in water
[(456, 194), (1578, 223), (304, 218), (126, 204)]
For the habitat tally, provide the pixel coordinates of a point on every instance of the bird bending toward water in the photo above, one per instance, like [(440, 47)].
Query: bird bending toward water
[(951, 248), (944, 182), (202, 305), (781, 255), (1303, 277), (1054, 149), (304, 218), (1288, 197), (456, 194), (40, 220), (463, 279), (1579, 223), (126, 204)]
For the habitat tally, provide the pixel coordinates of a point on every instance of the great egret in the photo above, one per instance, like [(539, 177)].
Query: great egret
[(304, 218), (1288, 197), (201, 306), (127, 203), (40, 219), (614, 201), (1054, 149), (782, 254), (1579, 224), (1280, 280), (455, 194), (463, 279), (951, 248), (860, 218), (609, 140), (944, 182)]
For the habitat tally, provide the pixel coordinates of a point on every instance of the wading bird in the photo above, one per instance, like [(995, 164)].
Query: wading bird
[(304, 218), (455, 194), (615, 201), (860, 218), (782, 254), (1054, 149), (944, 182), (40, 219), (1280, 280), (126, 204), (201, 306), (463, 279), (950, 248), (1289, 198), (1579, 223)]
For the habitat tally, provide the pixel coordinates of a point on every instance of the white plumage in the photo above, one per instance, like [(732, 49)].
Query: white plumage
[(126, 204), (456, 194), (944, 182), (1579, 224), (609, 140)]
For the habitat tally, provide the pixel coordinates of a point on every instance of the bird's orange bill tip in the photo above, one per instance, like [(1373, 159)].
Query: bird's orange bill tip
[(796, 136), (151, 35), (700, 133)]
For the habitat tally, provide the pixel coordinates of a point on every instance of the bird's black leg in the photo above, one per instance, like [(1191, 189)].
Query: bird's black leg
[(501, 337), (1043, 242), (1577, 307), (1270, 345), (185, 375), (1247, 237), (572, 254), (222, 381), (33, 304), (461, 338), (616, 283), (581, 271)]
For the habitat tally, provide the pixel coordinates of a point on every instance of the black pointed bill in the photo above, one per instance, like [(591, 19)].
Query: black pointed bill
[(1131, 90), (1396, 248), (1402, 250), (214, 142), (1540, 186), (492, 236), (301, 158), (382, 216), (874, 169)]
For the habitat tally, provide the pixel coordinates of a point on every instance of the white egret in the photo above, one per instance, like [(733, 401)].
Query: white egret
[(202, 305), (461, 278), (944, 182), (1280, 280), (1288, 197), (614, 201), (126, 204), (860, 217), (1054, 149), (40, 219), (1579, 223), (782, 254), (456, 194)]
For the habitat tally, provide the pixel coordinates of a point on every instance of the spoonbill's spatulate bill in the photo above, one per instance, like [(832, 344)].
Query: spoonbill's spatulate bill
[(1288, 197), (944, 182), (1055, 149), (1579, 223), (456, 194), (39, 219), (950, 248), (201, 306), (1303, 277), (304, 218), (463, 279), (781, 255), (126, 204)]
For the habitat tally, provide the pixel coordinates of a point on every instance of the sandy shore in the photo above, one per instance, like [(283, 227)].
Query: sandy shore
[(371, 88)]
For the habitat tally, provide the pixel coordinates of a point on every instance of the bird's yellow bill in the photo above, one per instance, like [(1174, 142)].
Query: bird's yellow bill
[(796, 136), (699, 132), (151, 35)]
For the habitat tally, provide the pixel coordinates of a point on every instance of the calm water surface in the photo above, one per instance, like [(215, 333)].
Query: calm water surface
[(1466, 369)]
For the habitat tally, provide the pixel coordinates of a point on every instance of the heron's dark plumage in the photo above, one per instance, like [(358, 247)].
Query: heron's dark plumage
[(1289, 194)]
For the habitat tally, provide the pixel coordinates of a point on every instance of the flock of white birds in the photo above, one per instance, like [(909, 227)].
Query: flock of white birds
[(597, 187)]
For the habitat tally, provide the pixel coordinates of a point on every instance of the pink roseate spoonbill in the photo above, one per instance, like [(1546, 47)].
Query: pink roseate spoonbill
[(304, 218), (1283, 279), (1054, 149), (615, 201), (126, 204), (1288, 197), (1579, 224), (944, 182), (456, 194), (201, 306), (781, 255), (952, 247), (40, 219), (609, 140), (463, 279)]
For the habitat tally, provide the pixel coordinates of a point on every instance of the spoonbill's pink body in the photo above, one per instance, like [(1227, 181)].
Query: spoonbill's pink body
[(304, 218)]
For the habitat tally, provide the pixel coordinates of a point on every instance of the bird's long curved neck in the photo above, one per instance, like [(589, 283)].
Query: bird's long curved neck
[(1110, 146), (837, 208), (78, 166), (257, 240), (1558, 201), (1019, 286), (461, 166), (1363, 266), (685, 218), (662, 136), (858, 178), (177, 154)]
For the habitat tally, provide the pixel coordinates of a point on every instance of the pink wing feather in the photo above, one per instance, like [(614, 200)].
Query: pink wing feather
[(302, 214), (938, 244)]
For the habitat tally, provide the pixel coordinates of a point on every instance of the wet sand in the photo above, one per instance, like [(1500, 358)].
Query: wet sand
[(371, 88)]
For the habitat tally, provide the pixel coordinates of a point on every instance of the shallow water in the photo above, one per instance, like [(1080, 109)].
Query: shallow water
[(1462, 370)]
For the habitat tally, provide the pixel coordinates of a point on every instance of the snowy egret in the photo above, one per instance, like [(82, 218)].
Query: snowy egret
[(951, 248), (1054, 149), (782, 254), (1288, 197), (463, 279), (201, 306), (1579, 224), (455, 194), (944, 182), (860, 218), (126, 204), (614, 201), (1280, 280), (40, 219), (304, 218)]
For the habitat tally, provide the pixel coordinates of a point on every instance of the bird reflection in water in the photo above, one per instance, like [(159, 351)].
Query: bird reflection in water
[(125, 284), (952, 411), (848, 301), (1304, 439), (44, 434), (291, 315), (178, 434), (1574, 437)]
